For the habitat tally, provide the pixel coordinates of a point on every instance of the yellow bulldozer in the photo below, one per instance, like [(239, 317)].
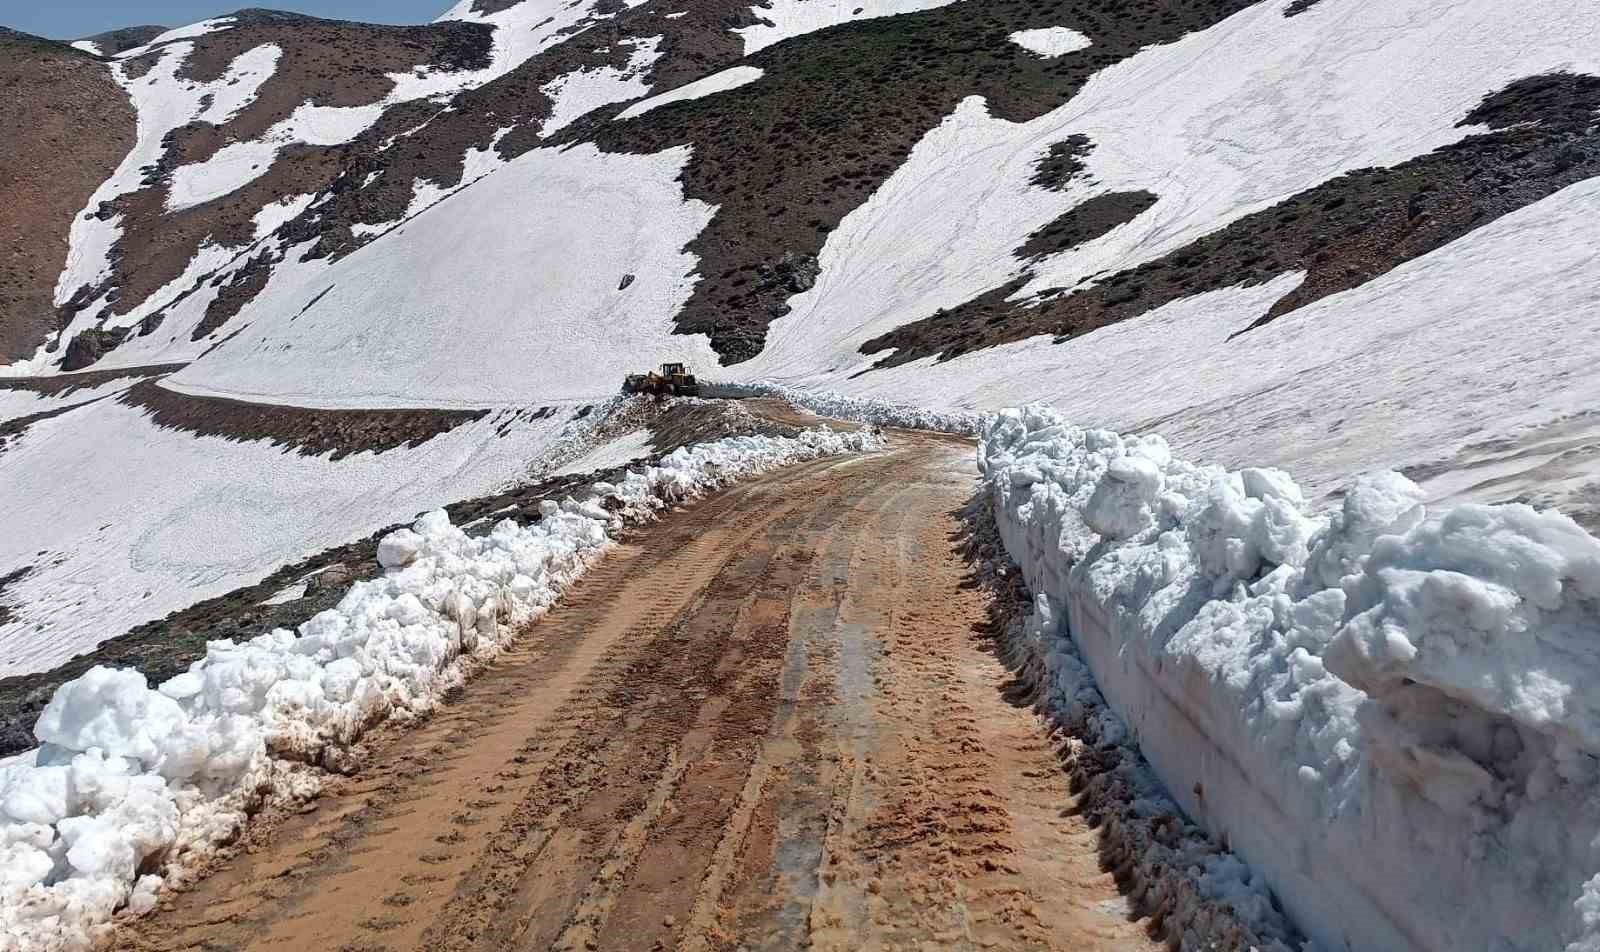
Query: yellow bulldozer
[(674, 380)]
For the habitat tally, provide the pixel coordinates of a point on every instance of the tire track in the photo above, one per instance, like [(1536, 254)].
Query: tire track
[(764, 722)]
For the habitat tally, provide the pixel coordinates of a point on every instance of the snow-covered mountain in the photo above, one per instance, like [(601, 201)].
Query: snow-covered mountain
[(308, 277), (275, 283)]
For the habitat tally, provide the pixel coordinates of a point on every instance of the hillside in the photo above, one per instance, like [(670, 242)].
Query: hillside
[(1244, 223), (274, 283)]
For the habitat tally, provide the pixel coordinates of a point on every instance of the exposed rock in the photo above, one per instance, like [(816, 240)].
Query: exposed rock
[(90, 346)]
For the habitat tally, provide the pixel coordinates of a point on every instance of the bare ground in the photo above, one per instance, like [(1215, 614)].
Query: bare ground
[(773, 720)]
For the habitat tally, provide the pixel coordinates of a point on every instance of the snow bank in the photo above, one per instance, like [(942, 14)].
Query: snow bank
[(134, 784), (879, 412), (1383, 710)]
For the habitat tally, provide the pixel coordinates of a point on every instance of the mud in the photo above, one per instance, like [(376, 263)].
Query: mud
[(772, 720)]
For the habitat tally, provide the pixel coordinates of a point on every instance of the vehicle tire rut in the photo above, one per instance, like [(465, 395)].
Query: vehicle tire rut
[(767, 721)]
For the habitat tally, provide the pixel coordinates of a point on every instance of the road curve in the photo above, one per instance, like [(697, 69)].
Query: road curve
[(769, 721)]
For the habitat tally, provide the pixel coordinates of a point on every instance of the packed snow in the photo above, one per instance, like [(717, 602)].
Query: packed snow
[(130, 777), (1204, 896), (552, 234), (1387, 711), (87, 46), (731, 78), (581, 91), (838, 406), (779, 20), (621, 451), (1051, 41)]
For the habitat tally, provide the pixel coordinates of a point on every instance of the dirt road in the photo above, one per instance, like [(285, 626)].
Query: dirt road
[(770, 721)]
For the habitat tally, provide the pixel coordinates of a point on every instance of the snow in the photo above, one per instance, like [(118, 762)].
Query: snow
[(1204, 896), (129, 775), (241, 83), (722, 81), (576, 93), (288, 593), (162, 103), (780, 20), (1482, 336), (551, 235), (136, 521), (839, 406), (191, 32), (1220, 124), (1051, 41), (618, 452), (87, 46), (1480, 341), (18, 403), (275, 215), (1384, 710), (521, 31)]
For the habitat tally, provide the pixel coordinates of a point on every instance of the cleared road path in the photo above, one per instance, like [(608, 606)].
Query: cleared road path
[(770, 721)]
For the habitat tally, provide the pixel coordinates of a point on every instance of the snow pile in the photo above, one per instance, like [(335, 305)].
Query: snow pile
[(1382, 710), (131, 784), (878, 412)]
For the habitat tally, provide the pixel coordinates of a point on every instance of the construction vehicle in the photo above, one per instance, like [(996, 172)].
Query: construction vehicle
[(674, 380)]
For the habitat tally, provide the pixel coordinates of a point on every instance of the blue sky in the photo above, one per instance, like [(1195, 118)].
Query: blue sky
[(70, 19)]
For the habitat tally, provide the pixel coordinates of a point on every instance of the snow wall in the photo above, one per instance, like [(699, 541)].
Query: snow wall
[(1391, 714)]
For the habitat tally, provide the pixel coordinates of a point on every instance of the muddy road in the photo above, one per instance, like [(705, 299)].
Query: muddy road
[(774, 720)]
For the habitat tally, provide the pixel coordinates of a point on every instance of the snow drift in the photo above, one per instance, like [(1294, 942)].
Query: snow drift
[(1384, 710), (133, 784)]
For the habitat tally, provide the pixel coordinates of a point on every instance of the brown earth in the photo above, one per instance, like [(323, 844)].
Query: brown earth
[(67, 126), (773, 720)]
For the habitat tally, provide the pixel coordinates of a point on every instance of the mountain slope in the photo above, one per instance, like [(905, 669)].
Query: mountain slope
[(69, 125), (1304, 235), (297, 279)]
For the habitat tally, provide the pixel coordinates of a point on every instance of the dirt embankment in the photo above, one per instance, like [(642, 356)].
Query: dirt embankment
[(773, 720)]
